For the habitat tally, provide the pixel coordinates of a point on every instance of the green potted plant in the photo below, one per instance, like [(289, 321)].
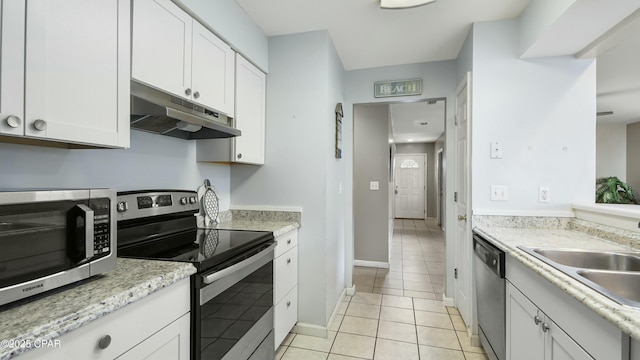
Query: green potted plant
[(611, 190)]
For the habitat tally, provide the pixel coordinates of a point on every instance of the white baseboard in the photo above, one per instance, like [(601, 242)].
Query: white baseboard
[(311, 330), (447, 301), (373, 264), (323, 331), (351, 291)]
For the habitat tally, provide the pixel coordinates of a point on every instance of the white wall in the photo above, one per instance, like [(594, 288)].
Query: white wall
[(152, 162), (300, 168), (611, 151), (543, 112)]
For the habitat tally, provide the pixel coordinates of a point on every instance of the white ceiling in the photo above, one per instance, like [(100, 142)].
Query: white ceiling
[(366, 36), (618, 79), (417, 122)]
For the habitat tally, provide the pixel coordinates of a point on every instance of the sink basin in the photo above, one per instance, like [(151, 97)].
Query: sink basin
[(615, 274), (618, 261), (623, 287)]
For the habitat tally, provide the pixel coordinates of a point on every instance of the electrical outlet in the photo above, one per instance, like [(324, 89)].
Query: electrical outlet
[(544, 194), (374, 185), (499, 193)]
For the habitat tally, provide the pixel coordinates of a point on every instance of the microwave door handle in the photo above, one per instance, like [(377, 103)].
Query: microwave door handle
[(87, 215)]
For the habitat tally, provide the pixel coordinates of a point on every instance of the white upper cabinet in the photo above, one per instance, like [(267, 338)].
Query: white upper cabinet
[(175, 53), (161, 51), (250, 100), (212, 71), (251, 87), (75, 67)]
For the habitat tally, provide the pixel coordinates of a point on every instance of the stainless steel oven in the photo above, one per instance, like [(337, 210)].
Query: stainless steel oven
[(51, 238), (232, 291)]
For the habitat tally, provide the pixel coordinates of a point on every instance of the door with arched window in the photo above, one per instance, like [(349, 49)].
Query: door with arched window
[(410, 186)]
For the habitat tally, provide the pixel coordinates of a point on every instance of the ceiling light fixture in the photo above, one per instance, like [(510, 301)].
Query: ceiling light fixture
[(403, 4)]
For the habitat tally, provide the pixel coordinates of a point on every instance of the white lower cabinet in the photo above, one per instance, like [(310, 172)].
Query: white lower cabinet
[(285, 285), (156, 327), (544, 322), (532, 335)]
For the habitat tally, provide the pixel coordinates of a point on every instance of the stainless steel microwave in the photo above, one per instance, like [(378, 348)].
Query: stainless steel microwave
[(51, 238)]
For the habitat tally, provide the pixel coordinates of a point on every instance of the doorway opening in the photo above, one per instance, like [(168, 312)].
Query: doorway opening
[(399, 147)]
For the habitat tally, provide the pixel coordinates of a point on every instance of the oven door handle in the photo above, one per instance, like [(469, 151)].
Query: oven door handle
[(208, 279)]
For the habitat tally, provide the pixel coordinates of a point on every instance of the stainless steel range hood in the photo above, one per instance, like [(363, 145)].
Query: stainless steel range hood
[(160, 113)]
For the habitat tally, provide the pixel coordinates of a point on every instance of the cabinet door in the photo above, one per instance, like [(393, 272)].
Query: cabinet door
[(161, 51), (525, 338), (250, 112), (212, 71), (12, 67), (170, 343), (74, 70), (559, 346)]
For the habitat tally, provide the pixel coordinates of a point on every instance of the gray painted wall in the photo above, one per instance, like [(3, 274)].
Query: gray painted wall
[(371, 163), (152, 162), (430, 173), (303, 87), (611, 150), (633, 160)]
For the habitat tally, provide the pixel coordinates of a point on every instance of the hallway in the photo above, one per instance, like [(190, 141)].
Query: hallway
[(396, 313)]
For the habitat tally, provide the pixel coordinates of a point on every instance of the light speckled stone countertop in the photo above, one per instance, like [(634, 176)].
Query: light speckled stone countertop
[(67, 309), (277, 227), (508, 238)]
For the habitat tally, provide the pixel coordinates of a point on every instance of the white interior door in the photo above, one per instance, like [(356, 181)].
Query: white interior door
[(463, 242), (410, 187)]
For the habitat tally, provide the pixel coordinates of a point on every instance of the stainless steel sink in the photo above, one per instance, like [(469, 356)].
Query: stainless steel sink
[(612, 273), (623, 287), (593, 260)]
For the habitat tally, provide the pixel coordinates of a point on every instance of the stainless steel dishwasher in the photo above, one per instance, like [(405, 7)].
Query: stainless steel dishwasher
[(490, 290)]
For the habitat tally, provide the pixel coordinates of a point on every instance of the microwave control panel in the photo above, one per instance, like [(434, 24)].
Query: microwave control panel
[(101, 226)]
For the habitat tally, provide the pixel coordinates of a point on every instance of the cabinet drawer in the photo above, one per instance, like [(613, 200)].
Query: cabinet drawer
[(285, 274), (285, 315), (286, 242), (127, 327)]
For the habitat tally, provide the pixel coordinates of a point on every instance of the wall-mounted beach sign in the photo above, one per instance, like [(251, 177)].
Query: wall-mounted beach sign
[(397, 88)]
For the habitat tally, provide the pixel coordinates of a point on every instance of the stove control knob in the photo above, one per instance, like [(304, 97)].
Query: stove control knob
[(122, 206), (183, 201), (192, 200)]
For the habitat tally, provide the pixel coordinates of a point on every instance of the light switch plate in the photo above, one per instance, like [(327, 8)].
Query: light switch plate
[(496, 150), (374, 185), (499, 193)]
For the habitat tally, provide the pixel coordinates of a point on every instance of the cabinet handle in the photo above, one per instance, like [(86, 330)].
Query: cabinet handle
[(188, 92), (545, 327), (40, 125), (289, 303), (537, 320), (240, 156), (289, 242), (104, 342), (288, 260), (196, 94), (13, 121)]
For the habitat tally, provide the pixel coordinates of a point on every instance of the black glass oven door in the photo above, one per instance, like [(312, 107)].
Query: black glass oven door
[(233, 309)]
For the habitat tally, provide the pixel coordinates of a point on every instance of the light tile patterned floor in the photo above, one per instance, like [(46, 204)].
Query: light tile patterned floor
[(396, 313)]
